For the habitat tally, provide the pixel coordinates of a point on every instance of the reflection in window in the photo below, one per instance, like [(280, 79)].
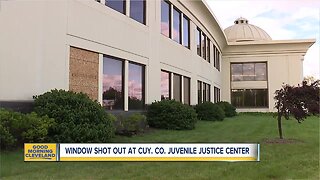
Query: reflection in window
[(136, 86), (236, 71), (216, 95), (176, 31), (118, 5), (249, 97), (198, 39), (138, 10), (203, 45), (208, 50), (186, 32), (112, 83), (260, 71), (177, 87), (165, 85), (249, 72), (165, 18), (199, 92), (186, 90)]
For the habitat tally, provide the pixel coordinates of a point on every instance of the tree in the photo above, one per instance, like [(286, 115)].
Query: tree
[(298, 101)]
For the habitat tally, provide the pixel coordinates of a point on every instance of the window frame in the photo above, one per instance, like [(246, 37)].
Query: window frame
[(254, 69), (144, 12)]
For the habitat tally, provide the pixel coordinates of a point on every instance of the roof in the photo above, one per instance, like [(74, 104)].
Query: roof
[(243, 31)]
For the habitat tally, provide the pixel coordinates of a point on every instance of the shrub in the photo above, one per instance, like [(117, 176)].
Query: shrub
[(17, 128), (170, 114), (228, 108), (78, 118), (208, 111), (133, 124)]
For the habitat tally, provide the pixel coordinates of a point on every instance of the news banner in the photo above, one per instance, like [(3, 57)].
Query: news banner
[(142, 152)]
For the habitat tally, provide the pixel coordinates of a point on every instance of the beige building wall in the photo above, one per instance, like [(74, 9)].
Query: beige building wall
[(35, 50)]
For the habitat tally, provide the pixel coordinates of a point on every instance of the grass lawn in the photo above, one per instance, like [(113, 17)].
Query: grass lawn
[(298, 160)]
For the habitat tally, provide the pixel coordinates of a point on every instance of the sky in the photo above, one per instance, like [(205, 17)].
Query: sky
[(281, 19)]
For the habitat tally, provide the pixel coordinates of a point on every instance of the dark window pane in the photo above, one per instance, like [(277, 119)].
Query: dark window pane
[(261, 98), (208, 49), (203, 45), (249, 98), (214, 56), (165, 85), (260, 71), (218, 60), (199, 92), (236, 72), (177, 87), (138, 10), (118, 5), (136, 86), (186, 32), (186, 90), (112, 83), (248, 71), (237, 98), (198, 39), (165, 18), (204, 92), (176, 31)]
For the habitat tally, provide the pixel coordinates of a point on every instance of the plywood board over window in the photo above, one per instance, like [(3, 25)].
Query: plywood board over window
[(84, 71)]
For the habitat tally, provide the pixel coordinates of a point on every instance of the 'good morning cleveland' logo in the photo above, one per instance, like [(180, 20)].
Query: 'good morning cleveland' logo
[(40, 152)]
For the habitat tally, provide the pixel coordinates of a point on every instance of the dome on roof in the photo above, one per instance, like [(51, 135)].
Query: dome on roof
[(243, 31)]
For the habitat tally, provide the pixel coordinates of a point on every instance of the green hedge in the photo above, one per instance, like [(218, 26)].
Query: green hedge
[(17, 128), (228, 108), (208, 111), (170, 114), (78, 118), (133, 124)]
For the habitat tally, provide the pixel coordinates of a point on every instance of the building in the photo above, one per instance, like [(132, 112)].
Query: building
[(129, 53)]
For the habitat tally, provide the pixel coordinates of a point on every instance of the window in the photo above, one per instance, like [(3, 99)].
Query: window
[(186, 90), (249, 98), (138, 10), (203, 45), (203, 92), (249, 72), (198, 39), (216, 60), (208, 49), (199, 92), (214, 56), (176, 31), (186, 32), (216, 95), (136, 86), (177, 87), (165, 18), (118, 5), (165, 85), (206, 92), (112, 83), (236, 71), (260, 71)]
